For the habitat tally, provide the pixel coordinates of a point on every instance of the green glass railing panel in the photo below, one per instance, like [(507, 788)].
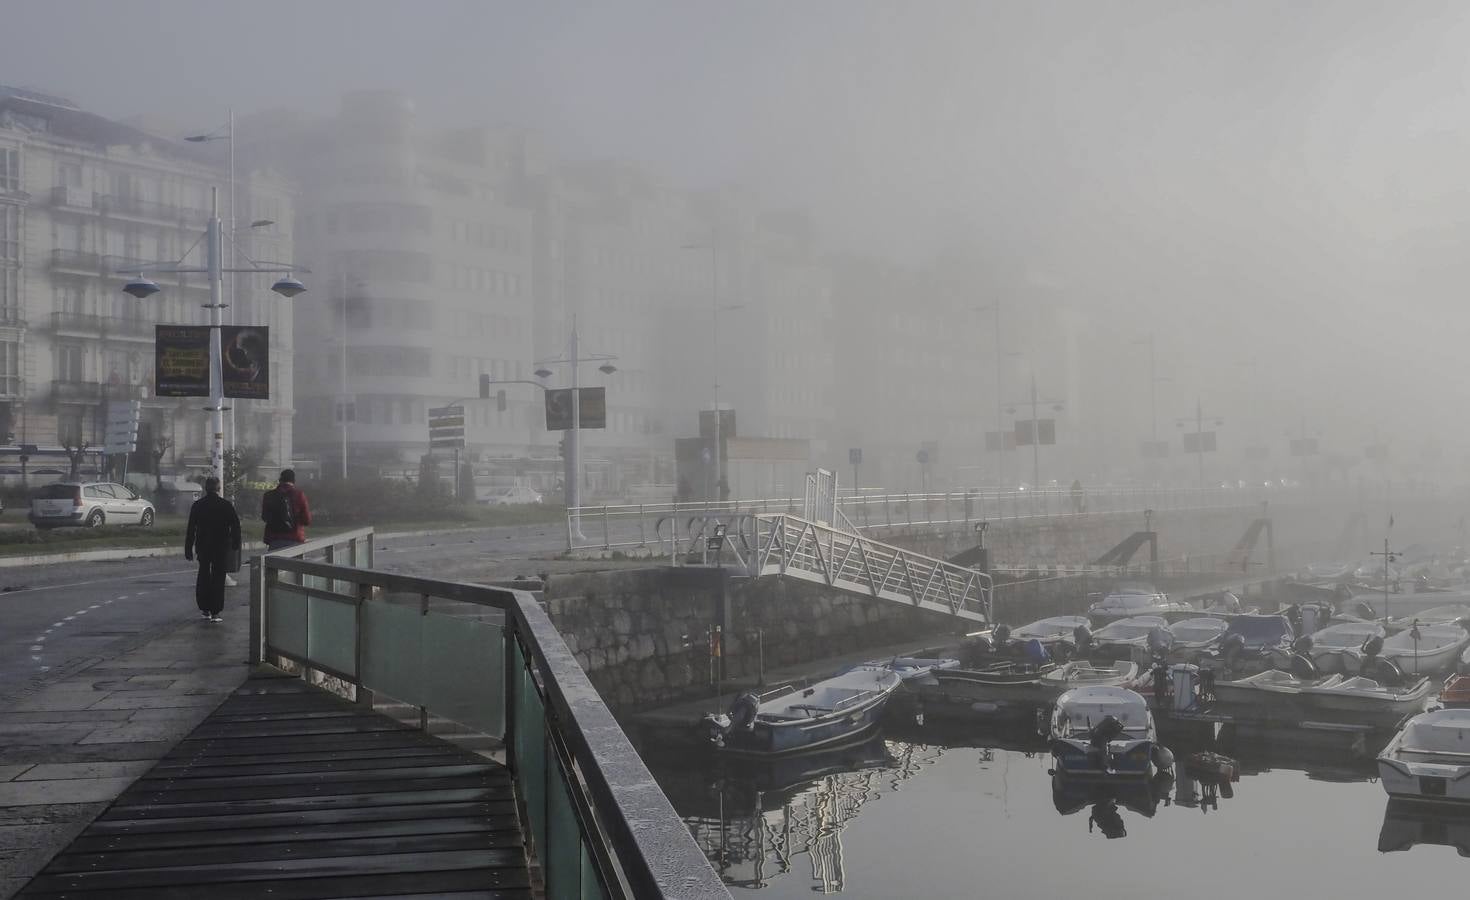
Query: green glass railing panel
[(530, 746), (591, 887), (466, 678), (562, 860), (392, 651), (285, 624), (331, 635)]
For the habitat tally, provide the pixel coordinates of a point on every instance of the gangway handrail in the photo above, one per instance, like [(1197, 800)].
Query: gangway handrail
[(595, 817)]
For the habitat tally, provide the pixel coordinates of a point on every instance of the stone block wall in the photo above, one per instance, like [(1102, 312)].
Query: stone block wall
[(642, 635)]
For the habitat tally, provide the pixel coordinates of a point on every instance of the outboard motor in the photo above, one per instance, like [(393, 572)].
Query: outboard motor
[(1229, 602), (1303, 667), (1104, 732), (1371, 648), (743, 711), (1232, 649), (1293, 614), (1159, 642), (1384, 671), (1082, 640)]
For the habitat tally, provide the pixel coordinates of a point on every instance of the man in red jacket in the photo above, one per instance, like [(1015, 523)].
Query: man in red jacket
[(285, 513)]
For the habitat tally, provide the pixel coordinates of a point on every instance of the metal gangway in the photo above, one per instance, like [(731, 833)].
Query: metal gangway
[(822, 546)]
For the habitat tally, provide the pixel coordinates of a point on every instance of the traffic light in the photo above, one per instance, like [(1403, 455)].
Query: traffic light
[(500, 400), (485, 388)]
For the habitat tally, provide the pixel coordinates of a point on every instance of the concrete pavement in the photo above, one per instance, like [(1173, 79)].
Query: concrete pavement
[(70, 747)]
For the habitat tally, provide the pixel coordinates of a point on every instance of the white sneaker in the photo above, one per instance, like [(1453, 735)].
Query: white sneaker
[(216, 618)]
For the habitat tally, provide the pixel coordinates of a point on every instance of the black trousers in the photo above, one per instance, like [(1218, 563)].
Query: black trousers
[(209, 588)]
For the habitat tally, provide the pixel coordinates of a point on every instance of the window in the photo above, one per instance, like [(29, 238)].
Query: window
[(9, 295), (9, 233), (9, 169), (10, 369), (69, 362), (69, 428)]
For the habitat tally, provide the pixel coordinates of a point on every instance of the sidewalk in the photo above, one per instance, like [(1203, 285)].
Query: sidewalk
[(70, 748)]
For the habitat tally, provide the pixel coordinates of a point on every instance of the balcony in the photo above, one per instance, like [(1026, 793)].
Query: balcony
[(104, 327), (134, 208), (76, 391), (66, 197)]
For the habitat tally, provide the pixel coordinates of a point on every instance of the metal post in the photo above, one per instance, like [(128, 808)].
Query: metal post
[(714, 301), (343, 367), (216, 319), (1035, 439), (234, 279), (573, 473)]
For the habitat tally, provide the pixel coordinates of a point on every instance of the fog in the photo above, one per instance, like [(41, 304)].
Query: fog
[(1276, 192)]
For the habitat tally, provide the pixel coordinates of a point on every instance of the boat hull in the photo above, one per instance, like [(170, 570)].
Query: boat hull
[(1078, 758), (1424, 781), (768, 737)]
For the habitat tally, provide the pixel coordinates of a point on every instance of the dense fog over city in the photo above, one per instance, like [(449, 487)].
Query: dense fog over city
[(1275, 193)]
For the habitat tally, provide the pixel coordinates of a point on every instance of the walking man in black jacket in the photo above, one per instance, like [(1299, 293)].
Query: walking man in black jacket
[(214, 531)]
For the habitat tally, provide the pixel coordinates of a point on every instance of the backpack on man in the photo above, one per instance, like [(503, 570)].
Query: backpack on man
[(277, 512)]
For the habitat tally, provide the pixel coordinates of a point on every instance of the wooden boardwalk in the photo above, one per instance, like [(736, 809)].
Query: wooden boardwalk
[(288, 792)]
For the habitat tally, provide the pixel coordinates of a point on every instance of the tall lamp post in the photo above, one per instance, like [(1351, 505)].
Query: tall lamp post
[(142, 287), (572, 476), (1000, 405)]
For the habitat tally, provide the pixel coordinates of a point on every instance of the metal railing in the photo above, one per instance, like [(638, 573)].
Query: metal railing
[(787, 545), (658, 525), (488, 659)]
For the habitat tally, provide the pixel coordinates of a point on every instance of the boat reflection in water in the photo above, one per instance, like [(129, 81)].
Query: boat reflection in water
[(753, 817), (1407, 823), (1070, 795)]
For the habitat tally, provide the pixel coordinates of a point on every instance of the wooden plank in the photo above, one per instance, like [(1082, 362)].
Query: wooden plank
[(497, 884), (496, 831), (340, 760), (166, 824), (359, 845), (179, 794), (300, 804), (375, 769)]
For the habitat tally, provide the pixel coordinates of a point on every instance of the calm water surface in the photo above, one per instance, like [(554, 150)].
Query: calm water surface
[(966, 813)]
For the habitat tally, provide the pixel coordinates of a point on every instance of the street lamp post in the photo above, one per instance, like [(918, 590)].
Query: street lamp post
[(1000, 405), (142, 287), (572, 490), (717, 490)]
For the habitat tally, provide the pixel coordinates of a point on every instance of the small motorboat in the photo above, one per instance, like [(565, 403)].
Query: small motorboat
[(1458, 613), (1081, 673), (1104, 731), (1338, 648), (1455, 692), (1052, 631), (909, 668), (1253, 643), (1429, 759), (1195, 637), (1422, 649), (1366, 701), (1139, 637), (1273, 693), (790, 719), (1129, 600)]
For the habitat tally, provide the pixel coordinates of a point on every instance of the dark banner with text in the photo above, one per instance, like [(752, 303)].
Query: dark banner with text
[(181, 360)]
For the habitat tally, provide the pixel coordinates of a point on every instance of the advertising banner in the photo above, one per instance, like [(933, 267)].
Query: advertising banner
[(246, 361), (591, 411), (181, 360)]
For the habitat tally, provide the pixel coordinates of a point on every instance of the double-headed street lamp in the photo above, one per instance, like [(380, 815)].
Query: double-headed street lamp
[(572, 471), (142, 287)]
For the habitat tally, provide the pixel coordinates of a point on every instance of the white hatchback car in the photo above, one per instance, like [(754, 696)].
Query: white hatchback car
[(519, 495), (89, 503)]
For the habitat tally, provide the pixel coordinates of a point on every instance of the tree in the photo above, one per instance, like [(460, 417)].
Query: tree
[(76, 451), (241, 465), (161, 445)]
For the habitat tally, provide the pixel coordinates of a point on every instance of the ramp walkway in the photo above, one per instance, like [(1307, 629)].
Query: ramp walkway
[(287, 791)]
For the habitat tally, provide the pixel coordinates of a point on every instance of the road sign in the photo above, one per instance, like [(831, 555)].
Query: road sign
[(121, 434), (446, 428), (591, 408), (923, 457), (1199, 442), (1036, 431), (855, 456)]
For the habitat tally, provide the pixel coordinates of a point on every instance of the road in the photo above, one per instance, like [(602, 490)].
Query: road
[(55, 618)]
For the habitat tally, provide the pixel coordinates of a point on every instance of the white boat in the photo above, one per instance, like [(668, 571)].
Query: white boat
[(909, 668), (1102, 731), (1135, 599), (1336, 648), (1081, 673), (789, 718), (1400, 606), (1193, 637), (1426, 648), (1430, 758), (1267, 688), (1054, 630), (1129, 638), (1435, 615), (1368, 702)]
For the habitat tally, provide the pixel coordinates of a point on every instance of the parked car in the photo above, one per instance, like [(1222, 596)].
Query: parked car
[(89, 503), (513, 496)]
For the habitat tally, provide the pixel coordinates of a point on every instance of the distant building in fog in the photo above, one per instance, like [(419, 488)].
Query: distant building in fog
[(80, 197)]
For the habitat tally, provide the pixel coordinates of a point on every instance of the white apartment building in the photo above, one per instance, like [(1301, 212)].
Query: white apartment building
[(80, 197)]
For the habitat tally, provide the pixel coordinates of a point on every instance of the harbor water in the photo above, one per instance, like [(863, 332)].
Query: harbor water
[(969, 812)]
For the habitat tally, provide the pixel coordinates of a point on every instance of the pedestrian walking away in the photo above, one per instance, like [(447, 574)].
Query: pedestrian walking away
[(213, 537), (285, 512)]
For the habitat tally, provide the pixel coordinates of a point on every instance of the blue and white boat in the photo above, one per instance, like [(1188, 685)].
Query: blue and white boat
[(789, 719), (1103, 731)]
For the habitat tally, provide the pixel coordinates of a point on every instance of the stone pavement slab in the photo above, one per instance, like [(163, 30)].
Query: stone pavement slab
[(58, 771)]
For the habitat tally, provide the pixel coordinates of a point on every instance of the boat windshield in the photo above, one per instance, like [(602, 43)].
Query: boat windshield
[(1129, 629), (1260, 629), (1198, 629)]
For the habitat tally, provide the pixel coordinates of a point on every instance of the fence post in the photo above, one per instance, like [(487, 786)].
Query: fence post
[(257, 610), (361, 694), (605, 539)]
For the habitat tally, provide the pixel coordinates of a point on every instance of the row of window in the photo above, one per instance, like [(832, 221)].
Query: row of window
[(483, 281), (9, 169), (481, 234), (10, 233)]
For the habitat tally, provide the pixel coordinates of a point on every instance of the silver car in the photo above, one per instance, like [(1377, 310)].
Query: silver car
[(89, 503)]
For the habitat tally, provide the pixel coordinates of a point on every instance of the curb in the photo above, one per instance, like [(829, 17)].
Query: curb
[(44, 559)]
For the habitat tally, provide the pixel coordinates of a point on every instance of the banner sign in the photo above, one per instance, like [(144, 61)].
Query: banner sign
[(446, 428), (591, 412), (1036, 431), (181, 360), (246, 361)]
